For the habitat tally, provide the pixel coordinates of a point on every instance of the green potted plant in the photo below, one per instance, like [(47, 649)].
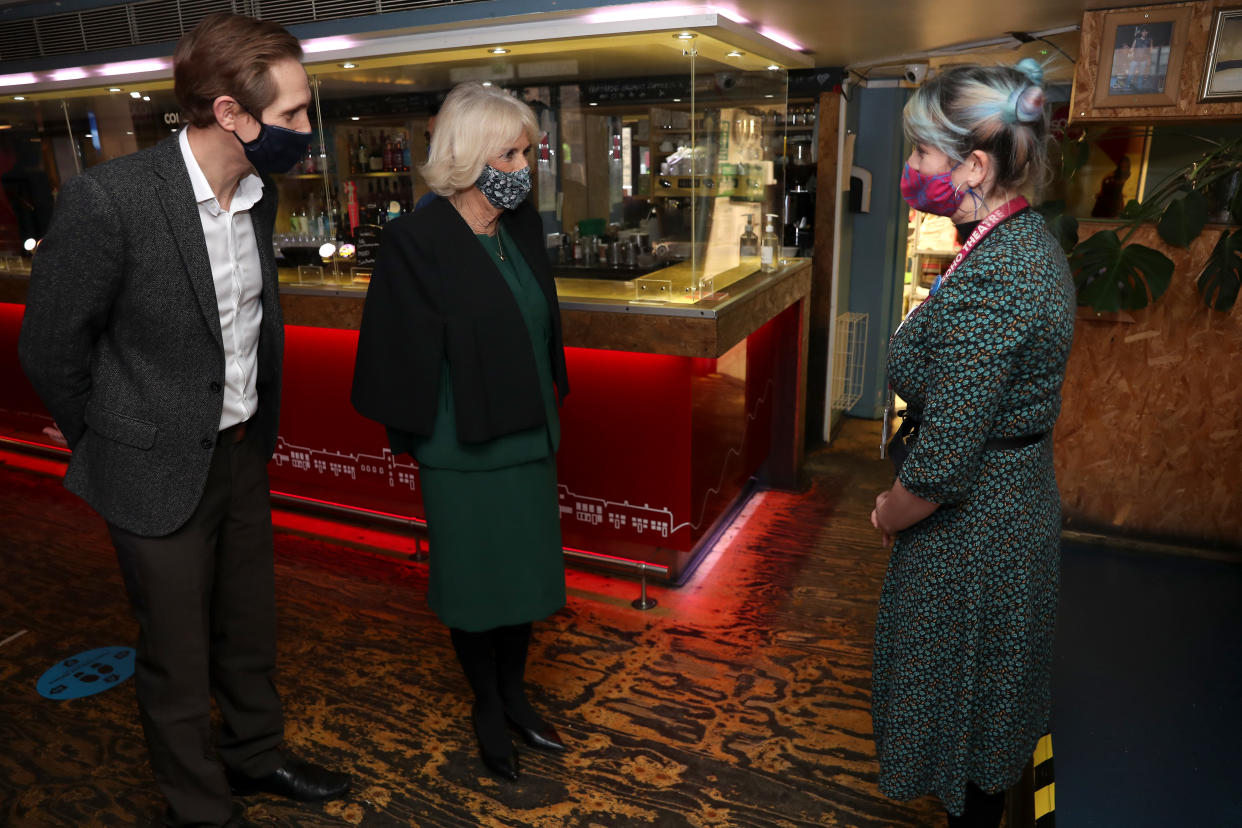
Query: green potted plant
[(1113, 275)]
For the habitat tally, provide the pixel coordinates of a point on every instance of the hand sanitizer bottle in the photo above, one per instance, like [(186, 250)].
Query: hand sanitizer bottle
[(769, 246), (748, 246)]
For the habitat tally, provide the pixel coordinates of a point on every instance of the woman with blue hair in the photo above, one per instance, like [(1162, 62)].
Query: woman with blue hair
[(963, 642)]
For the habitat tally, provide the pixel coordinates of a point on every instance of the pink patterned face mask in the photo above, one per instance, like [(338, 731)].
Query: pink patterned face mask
[(933, 194)]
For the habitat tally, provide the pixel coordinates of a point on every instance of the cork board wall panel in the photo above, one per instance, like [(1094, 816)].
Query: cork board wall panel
[(1149, 441), (1093, 55)]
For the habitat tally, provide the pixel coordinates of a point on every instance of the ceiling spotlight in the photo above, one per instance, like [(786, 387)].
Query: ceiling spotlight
[(499, 50), (349, 66), (735, 53), (146, 97), (114, 89), (19, 97), (772, 67), (354, 118), (135, 95), (593, 103), (685, 36)]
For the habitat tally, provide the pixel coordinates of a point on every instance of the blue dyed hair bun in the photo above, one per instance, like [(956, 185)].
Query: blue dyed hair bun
[(1032, 69)]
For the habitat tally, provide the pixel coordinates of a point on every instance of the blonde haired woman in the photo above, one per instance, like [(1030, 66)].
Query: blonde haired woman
[(460, 358)]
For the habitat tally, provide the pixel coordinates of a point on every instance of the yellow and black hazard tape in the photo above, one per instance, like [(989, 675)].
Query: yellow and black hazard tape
[(1045, 787)]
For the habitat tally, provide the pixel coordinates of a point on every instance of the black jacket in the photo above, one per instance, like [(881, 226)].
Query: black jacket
[(436, 295)]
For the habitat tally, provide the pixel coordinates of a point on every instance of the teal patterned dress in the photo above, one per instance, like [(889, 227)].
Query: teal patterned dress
[(963, 641)]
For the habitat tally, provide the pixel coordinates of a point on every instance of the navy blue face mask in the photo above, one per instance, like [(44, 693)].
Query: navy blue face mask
[(275, 149)]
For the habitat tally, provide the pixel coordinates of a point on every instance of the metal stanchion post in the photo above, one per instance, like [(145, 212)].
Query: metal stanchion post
[(420, 551), (642, 602)]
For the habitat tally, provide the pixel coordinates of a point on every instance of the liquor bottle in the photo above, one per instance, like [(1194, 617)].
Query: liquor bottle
[(370, 213), (748, 247), (376, 162), (769, 246), (335, 228), (361, 154), (405, 154)]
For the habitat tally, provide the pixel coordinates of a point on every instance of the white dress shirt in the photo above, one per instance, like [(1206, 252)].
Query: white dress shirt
[(234, 255)]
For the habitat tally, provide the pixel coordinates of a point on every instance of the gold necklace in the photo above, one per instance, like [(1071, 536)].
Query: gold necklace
[(500, 248)]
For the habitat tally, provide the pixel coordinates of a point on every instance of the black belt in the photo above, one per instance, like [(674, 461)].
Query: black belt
[(233, 434), (909, 430), (1013, 443)]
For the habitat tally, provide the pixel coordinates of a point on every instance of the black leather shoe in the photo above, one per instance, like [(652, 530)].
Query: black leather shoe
[(296, 779), (499, 764), (543, 738)]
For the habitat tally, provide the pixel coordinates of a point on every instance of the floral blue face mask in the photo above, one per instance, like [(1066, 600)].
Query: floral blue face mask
[(505, 190)]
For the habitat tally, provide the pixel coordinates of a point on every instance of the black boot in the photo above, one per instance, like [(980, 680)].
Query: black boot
[(512, 644), (982, 810), (487, 715)]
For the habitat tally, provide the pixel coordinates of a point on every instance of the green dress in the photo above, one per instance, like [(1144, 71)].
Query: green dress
[(493, 515), (963, 640)]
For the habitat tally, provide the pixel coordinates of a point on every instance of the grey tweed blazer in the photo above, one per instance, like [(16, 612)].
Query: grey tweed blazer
[(121, 338)]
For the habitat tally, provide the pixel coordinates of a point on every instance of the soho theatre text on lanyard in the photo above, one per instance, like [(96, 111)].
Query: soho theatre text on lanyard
[(993, 218)]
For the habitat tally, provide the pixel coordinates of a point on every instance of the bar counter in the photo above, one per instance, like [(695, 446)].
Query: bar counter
[(676, 407)]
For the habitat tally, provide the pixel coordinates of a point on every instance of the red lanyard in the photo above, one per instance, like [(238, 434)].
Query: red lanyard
[(994, 218)]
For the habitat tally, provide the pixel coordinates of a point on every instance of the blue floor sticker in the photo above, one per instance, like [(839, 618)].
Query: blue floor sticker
[(88, 673)]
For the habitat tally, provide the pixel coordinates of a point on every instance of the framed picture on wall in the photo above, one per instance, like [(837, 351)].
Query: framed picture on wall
[(1140, 57), (1222, 76)]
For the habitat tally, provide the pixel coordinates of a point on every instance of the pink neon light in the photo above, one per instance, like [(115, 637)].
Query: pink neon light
[(327, 44), (732, 14), (643, 11), (132, 67), (68, 74), (783, 39), (17, 80)]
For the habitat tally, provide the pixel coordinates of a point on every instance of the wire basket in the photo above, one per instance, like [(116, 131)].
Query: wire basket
[(849, 360)]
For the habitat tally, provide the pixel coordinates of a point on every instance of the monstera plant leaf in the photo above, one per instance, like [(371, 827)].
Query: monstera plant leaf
[(1063, 228), (1184, 218), (1219, 281), (1111, 277)]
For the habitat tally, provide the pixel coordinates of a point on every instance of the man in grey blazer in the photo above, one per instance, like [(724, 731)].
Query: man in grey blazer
[(153, 334)]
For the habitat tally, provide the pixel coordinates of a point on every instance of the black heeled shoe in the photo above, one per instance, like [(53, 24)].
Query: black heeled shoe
[(543, 738), (504, 766)]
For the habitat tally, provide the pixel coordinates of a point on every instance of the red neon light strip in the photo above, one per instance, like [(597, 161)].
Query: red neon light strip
[(60, 449), (348, 507)]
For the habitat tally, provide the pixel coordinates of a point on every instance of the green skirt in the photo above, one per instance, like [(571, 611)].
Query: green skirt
[(495, 540)]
